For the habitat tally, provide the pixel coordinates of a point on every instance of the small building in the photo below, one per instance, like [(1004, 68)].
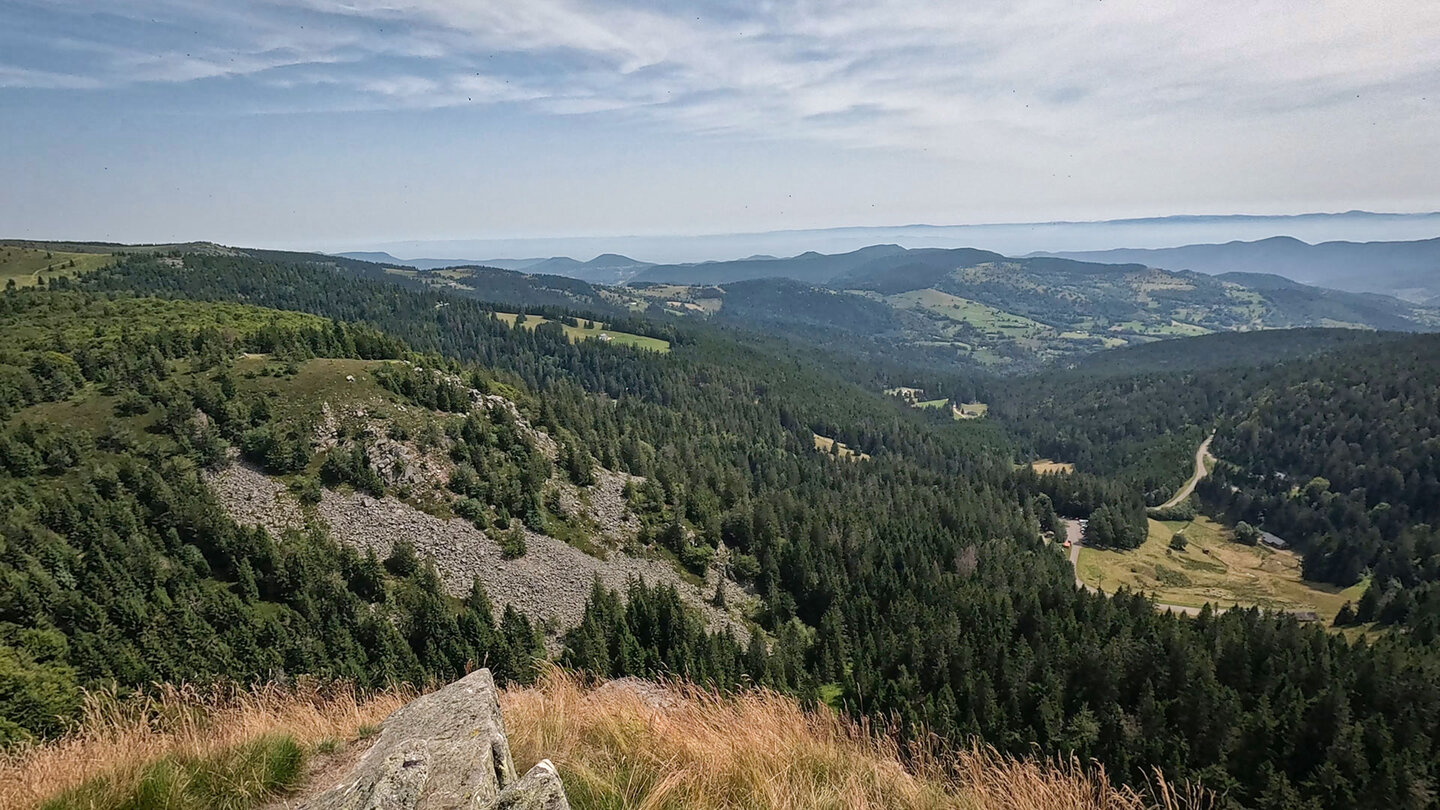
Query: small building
[(1272, 540)]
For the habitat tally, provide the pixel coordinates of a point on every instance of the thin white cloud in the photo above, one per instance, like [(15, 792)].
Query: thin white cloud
[(29, 78), (958, 79)]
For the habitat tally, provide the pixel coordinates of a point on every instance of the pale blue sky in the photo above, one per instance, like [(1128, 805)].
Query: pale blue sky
[(341, 124)]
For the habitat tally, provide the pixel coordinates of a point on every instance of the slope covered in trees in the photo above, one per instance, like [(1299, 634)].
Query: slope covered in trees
[(1332, 447), (913, 585)]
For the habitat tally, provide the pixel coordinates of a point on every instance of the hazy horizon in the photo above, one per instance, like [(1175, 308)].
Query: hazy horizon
[(1017, 238)]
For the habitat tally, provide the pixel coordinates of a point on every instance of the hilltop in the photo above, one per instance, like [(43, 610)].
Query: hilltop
[(1407, 270), (958, 307), (975, 307)]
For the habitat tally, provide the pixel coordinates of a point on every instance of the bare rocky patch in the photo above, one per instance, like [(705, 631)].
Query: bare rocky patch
[(252, 498), (550, 582)]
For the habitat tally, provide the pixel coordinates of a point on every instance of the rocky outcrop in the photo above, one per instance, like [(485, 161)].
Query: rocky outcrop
[(444, 751), (551, 581)]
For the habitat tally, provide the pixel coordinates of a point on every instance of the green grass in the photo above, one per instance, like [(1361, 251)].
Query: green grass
[(963, 310), (26, 266), (314, 382), (1213, 568), (932, 403), (1171, 328), (971, 410), (592, 332), (235, 779)]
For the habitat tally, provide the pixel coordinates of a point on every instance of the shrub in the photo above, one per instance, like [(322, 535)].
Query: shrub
[(744, 567), (1178, 541), (1247, 534), (131, 403), (403, 560), (697, 557), (512, 543), (1180, 511), (307, 489), (472, 510)]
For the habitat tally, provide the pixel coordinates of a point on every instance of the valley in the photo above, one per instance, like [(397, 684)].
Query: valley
[(330, 467), (556, 405), (1213, 569)]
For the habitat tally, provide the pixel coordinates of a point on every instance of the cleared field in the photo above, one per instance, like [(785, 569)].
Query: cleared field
[(825, 444), (1212, 568), (594, 331), (678, 298), (932, 403), (973, 410), (981, 316), (1045, 465), (26, 266), (1170, 329), (314, 382)]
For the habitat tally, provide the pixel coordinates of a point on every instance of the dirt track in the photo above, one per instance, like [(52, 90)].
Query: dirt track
[(1200, 453)]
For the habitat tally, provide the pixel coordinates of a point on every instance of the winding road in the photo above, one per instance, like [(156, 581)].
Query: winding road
[(1184, 492), (1076, 535)]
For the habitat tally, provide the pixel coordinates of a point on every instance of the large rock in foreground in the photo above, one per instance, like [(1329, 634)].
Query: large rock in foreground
[(442, 751)]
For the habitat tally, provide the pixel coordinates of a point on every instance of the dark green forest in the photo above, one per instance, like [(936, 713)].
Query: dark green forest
[(916, 586)]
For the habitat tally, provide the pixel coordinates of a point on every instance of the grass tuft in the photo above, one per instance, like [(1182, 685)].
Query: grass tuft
[(632, 744), (184, 747), (232, 779), (622, 744)]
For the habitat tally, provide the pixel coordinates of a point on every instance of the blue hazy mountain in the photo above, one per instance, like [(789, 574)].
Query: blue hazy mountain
[(1011, 239), (1408, 270)]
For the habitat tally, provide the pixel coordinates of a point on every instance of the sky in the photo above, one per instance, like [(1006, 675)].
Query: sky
[(340, 125)]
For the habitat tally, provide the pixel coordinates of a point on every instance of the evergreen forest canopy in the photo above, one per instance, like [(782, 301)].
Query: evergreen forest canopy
[(916, 585)]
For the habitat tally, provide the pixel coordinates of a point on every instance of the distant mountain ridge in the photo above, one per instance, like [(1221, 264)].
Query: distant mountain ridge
[(962, 306), (809, 267), (1009, 238), (976, 306), (607, 268), (1406, 270)]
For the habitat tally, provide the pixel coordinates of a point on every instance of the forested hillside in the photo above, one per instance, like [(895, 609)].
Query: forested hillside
[(1342, 457), (1330, 444), (915, 584), (977, 309)]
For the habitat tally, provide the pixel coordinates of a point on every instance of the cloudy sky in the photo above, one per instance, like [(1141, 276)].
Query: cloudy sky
[(330, 124)]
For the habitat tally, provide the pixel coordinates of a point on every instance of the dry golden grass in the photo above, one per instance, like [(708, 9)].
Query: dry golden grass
[(1045, 466), (654, 748), (827, 445), (118, 738), (1212, 568), (628, 744)]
